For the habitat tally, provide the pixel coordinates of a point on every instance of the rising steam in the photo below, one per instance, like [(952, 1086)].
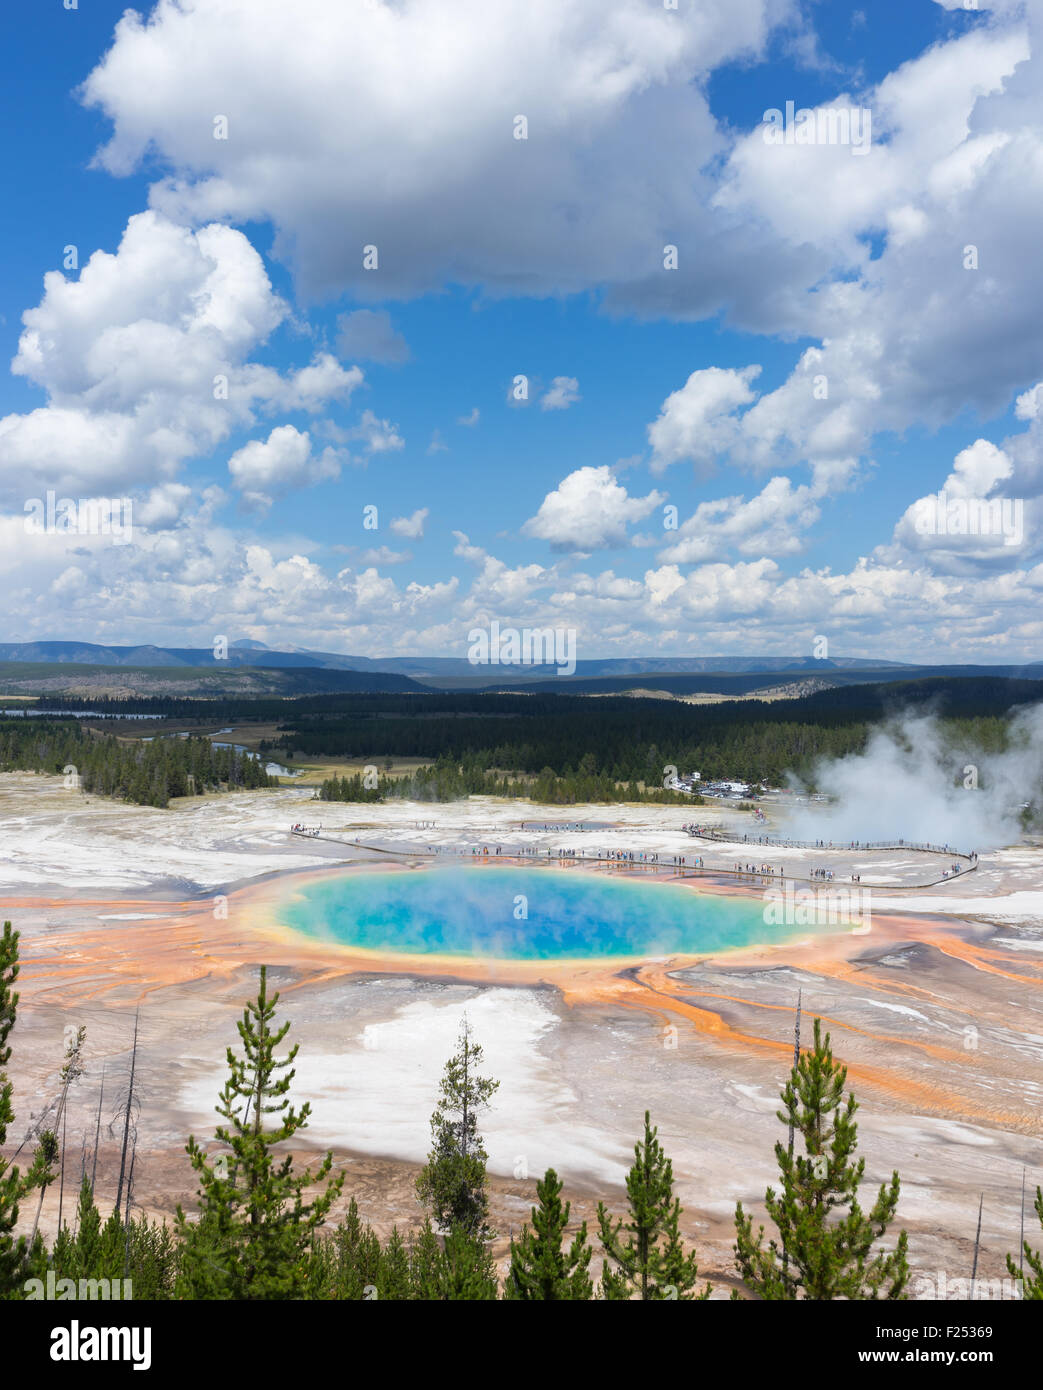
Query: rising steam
[(914, 783)]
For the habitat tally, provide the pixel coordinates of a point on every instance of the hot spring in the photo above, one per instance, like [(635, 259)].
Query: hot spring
[(507, 913)]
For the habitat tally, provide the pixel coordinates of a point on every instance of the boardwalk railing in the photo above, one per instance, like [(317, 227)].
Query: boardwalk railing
[(769, 840)]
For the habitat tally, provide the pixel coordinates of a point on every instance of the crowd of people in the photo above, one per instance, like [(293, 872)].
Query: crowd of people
[(567, 826), (648, 858), (712, 832)]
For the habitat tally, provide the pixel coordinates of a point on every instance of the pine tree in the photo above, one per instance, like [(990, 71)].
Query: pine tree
[(651, 1261), (1032, 1285), (255, 1230), (43, 1172), (72, 1070), (110, 1246), (154, 1260), (140, 1251), (462, 1271), (825, 1245), (86, 1249), (468, 1271), (347, 1264), (425, 1259), (357, 1251), (127, 1110), (44, 1130), (393, 1281), (540, 1267), (452, 1183), (13, 1185)]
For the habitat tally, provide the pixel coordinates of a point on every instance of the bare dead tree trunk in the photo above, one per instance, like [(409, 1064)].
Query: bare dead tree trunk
[(71, 1071), (61, 1180), (128, 1110), (977, 1243), (97, 1130), (83, 1174), (36, 1218), (126, 1219)]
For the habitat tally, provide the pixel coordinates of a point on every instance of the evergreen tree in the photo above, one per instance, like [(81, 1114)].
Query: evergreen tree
[(461, 1271), (13, 1186), (346, 1265), (468, 1271), (85, 1252), (71, 1072), (425, 1264), (393, 1281), (452, 1183), (43, 1172), (651, 1261), (1032, 1285), (143, 1252), (540, 1267), (255, 1230), (357, 1251), (825, 1246)]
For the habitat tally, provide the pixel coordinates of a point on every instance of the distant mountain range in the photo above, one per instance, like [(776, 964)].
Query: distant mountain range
[(250, 653), (251, 665)]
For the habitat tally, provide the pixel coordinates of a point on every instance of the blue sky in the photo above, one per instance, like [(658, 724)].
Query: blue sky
[(352, 123)]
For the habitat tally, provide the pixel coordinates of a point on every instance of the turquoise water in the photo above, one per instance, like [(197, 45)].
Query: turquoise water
[(479, 912)]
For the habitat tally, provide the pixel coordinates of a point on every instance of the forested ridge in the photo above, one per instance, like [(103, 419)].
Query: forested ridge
[(555, 748), (969, 696), (633, 740)]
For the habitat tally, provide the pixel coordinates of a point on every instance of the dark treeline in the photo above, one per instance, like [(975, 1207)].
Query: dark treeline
[(264, 1228), (947, 694), (951, 696), (148, 773), (447, 780), (629, 741), (579, 748), (626, 741), (203, 709)]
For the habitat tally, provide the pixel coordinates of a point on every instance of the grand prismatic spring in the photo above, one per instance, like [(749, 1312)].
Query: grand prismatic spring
[(509, 913)]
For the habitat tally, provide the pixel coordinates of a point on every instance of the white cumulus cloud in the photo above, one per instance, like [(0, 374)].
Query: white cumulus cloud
[(589, 510)]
